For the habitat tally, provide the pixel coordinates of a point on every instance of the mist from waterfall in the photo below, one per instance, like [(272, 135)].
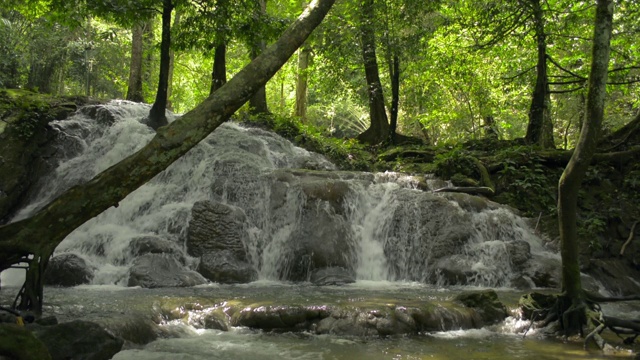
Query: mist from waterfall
[(395, 232)]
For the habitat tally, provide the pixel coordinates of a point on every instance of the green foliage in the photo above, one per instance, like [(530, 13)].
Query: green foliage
[(525, 183), (456, 163)]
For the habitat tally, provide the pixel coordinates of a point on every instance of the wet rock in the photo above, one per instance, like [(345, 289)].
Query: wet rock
[(17, 342), (486, 303), (544, 271), (536, 305), (217, 236), (616, 276), (519, 252), (279, 317), (452, 270), (160, 270), (68, 270), (154, 245), (78, 340), (224, 267), (215, 226), (332, 276)]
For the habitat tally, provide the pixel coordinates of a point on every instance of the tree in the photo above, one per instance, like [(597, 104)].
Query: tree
[(379, 125), (574, 317), (157, 114), (258, 102), (540, 127), (134, 88), (33, 240)]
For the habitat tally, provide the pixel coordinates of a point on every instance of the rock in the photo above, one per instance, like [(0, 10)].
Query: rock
[(452, 270), (519, 252), (217, 236), (26, 139), (160, 270), (154, 245), (68, 269), (224, 267), (78, 340), (486, 303), (536, 304), (278, 317), (615, 276), (544, 271), (332, 276), (214, 227), (17, 342)]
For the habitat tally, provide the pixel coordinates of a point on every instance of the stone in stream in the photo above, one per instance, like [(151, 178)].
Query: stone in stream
[(68, 269), (78, 340), (162, 270)]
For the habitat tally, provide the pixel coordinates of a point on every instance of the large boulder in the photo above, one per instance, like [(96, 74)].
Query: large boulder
[(68, 269), (154, 245), (214, 227), (161, 270), (17, 342), (78, 340), (217, 236), (26, 151), (224, 267)]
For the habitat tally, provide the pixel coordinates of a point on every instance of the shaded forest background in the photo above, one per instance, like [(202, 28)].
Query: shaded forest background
[(448, 71)]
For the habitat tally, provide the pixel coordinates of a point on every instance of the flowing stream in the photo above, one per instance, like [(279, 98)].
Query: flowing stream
[(386, 221)]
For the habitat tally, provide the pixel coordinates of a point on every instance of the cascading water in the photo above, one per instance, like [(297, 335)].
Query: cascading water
[(381, 227)]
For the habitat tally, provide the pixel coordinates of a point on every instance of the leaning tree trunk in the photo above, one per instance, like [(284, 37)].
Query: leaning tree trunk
[(574, 172), (41, 233), (540, 127), (157, 115), (379, 126), (134, 89)]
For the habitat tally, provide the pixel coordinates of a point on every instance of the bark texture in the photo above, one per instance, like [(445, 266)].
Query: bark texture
[(258, 102), (157, 116), (302, 82), (574, 172), (134, 89), (219, 72), (540, 127), (41, 233), (379, 127)]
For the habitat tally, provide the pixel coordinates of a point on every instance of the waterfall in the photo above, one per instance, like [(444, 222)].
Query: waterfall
[(384, 227)]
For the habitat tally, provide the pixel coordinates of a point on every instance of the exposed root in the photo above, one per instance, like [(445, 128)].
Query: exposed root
[(586, 314)]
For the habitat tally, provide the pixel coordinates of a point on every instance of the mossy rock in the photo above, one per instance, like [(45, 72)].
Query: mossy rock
[(17, 342)]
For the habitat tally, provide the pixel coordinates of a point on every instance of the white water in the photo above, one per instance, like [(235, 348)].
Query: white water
[(396, 232)]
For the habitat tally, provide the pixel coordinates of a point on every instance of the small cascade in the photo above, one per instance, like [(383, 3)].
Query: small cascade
[(299, 214)]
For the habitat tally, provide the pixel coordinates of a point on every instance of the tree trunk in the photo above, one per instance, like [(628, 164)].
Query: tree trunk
[(172, 60), (157, 116), (219, 72), (134, 89), (394, 71), (573, 174), (301, 84), (258, 102), (540, 127), (41, 233), (379, 126)]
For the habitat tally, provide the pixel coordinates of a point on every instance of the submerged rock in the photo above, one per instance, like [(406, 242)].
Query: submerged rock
[(68, 270), (332, 276), (78, 340), (159, 270), (223, 267), (486, 303)]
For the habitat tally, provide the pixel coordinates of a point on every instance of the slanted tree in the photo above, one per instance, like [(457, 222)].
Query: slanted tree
[(33, 240)]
